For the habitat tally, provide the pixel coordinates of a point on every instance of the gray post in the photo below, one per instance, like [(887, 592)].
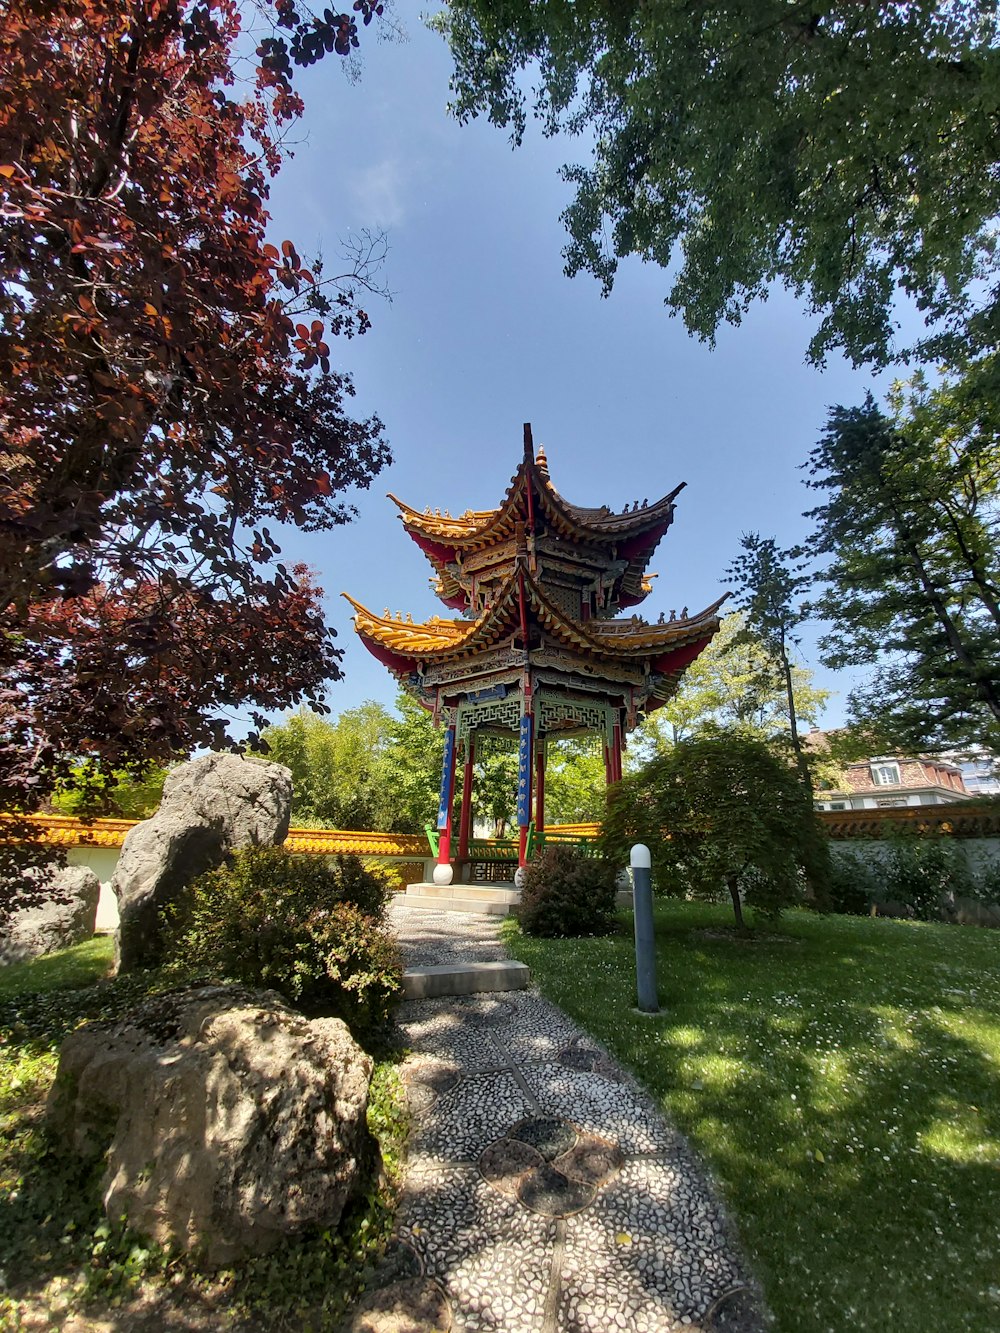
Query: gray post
[(642, 905)]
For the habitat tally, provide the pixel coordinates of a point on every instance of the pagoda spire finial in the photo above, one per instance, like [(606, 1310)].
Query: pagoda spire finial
[(529, 446)]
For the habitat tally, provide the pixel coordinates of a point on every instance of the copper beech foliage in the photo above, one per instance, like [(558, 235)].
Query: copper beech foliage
[(166, 387)]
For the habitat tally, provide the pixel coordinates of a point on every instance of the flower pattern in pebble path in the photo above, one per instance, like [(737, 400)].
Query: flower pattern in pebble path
[(650, 1250)]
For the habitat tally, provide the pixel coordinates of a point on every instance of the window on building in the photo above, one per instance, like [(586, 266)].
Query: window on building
[(838, 805), (885, 775)]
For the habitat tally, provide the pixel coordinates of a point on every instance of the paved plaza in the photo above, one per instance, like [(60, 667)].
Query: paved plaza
[(543, 1190)]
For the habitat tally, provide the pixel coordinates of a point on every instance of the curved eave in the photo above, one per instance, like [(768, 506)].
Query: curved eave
[(402, 647), (657, 640), (442, 538), (631, 532)]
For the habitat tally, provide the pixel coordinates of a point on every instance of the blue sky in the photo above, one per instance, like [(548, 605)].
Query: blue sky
[(484, 332)]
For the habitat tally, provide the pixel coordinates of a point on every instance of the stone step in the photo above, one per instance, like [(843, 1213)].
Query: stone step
[(495, 893), (475, 906), (427, 983)]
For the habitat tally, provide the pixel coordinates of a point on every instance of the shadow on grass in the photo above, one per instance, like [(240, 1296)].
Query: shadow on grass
[(843, 1082)]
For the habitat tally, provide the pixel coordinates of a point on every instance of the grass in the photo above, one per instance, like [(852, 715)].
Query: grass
[(59, 1253), (83, 965), (841, 1077)]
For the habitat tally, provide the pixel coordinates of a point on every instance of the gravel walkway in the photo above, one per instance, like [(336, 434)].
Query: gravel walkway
[(543, 1189)]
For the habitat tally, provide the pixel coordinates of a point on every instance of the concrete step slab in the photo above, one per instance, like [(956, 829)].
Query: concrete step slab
[(497, 893), (472, 906), (427, 983)]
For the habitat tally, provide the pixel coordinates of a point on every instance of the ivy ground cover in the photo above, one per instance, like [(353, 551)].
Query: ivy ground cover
[(841, 1078)]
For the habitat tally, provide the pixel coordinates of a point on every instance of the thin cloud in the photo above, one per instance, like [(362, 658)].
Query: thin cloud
[(377, 195)]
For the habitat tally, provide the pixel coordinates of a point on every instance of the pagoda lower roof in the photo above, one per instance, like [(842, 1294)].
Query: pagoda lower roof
[(402, 645)]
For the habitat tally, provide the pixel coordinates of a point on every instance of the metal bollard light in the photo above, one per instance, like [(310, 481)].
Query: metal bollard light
[(642, 906)]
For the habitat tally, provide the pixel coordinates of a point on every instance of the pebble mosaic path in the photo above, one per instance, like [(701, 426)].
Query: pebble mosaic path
[(544, 1192)]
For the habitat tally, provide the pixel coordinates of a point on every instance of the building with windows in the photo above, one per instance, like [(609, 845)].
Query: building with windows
[(889, 781), (980, 770)]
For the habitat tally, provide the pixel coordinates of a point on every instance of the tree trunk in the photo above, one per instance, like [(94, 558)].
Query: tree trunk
[(734, 892), (793, 724)]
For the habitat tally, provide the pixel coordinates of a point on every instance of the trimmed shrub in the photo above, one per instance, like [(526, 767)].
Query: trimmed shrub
[(566, 893), (918, 871), (308, 928), (855, 882), (721, 813)]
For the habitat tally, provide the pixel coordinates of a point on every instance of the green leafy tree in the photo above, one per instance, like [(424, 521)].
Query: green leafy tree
[(494, 784), (92, 794), (845, 149), (734, 684), (720, 813), (575, 783), (366, 769), (769, 588), (336, 766), (910, 522), (413, 765)]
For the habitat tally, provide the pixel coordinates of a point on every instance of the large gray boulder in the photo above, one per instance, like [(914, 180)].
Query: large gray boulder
[(210, 807), (66, 916), (963, 911), (234, 1121)]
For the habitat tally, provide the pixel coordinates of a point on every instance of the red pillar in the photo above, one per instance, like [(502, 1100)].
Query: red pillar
[(539, 785), (616, 754), (465, 820)]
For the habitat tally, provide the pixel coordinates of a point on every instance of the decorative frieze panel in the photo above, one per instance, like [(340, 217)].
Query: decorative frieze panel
[(555, 714), (556, 659), (503, 714), (479, 667)]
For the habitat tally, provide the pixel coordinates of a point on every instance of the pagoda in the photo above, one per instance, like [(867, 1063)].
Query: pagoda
[(541, 649)]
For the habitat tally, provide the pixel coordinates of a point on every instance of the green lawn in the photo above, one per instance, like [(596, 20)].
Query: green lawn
[(841, 1076), (80, 966)]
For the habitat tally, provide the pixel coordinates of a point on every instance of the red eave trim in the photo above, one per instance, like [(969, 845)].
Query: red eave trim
[(444, 555), (645, 541), (394, 661), (679, 658)]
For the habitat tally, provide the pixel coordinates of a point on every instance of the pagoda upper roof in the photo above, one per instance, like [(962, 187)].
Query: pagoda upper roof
[(631, 534), (401, 645)]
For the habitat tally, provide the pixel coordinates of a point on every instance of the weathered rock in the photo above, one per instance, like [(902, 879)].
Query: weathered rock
[(963, 911), (412, 1305), (896, 911), (210, 807), (233, 1120), (66, 918)]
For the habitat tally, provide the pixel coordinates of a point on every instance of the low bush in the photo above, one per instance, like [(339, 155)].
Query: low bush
[(855, 882), (566, 893), (310, 929), (919, 871)]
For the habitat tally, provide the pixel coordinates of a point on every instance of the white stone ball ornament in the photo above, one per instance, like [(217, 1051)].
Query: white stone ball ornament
[(443, 873)]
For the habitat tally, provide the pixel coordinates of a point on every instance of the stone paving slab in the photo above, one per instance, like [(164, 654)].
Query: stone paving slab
[(466, 978), (544, 1192)]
